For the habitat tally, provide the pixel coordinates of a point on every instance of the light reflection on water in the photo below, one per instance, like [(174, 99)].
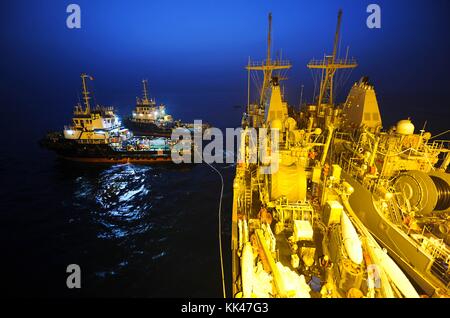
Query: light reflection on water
[(120, 198), (134, 230)]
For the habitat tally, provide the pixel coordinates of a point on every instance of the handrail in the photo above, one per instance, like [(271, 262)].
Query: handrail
[(328, 61), (440, 144), (272, 62)]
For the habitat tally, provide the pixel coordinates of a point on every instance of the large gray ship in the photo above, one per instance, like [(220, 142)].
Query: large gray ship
[(351, 210)]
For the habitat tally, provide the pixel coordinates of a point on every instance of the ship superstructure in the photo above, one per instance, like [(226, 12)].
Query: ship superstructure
[(148, 118), (98, 125), (403, 187), (293, 232)]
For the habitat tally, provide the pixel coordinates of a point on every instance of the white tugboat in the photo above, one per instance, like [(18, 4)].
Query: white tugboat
[(149, 118)]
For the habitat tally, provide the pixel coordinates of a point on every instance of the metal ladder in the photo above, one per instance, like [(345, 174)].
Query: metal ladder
[(248, 199), (394, 213)]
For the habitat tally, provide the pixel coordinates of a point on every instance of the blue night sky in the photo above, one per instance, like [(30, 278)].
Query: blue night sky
[(193, 54)]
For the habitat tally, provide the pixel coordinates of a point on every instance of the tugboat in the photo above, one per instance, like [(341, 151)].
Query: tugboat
[(293, 233), (150, 119), (97, 135)]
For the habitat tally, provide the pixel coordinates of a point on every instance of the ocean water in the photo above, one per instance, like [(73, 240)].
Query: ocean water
[(135, 231)]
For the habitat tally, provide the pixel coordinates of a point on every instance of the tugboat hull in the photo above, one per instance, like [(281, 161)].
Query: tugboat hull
[(148, 129), (102, 153)]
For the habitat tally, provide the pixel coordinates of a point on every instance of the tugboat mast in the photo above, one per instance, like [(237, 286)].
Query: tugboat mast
[(86, 92), (144, 93)]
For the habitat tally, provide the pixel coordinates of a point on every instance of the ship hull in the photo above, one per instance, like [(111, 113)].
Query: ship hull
[(148, 129), (103, 153), (112, 160), (402, 248), (235, 268)]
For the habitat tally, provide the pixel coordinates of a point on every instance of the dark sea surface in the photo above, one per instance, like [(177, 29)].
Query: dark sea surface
[(135, 231)]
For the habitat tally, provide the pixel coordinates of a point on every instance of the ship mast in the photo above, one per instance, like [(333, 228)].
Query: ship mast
[(329, 65), (86, 93), (144, 93), (267, 66)]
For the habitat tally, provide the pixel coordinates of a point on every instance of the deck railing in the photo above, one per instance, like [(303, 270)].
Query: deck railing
[(272, 62), (317, 62)]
